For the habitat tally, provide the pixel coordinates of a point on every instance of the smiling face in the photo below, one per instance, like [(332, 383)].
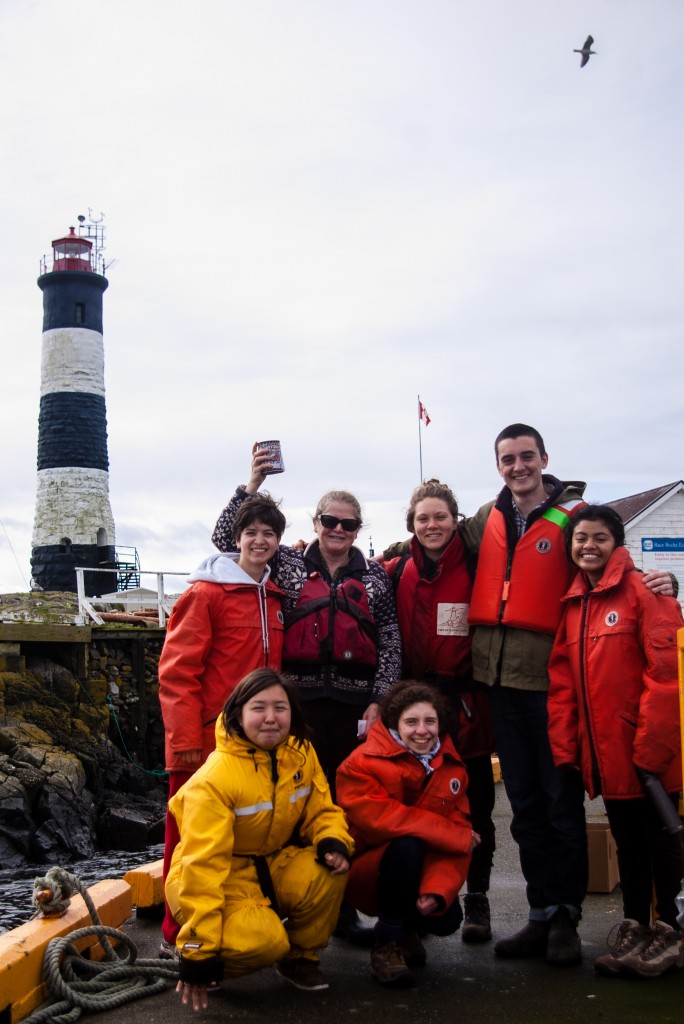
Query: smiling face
[(591, 547), (433, 525), (418, 727), (520, 466), (335, 542), (266, 717), (257, 544)]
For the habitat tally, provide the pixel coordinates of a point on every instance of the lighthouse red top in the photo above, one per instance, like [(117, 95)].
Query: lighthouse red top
[(72, 253)]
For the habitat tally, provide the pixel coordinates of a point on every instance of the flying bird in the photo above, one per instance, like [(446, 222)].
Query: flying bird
[(586, 50)]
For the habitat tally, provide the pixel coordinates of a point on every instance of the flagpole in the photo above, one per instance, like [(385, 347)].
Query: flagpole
[(420, 443)]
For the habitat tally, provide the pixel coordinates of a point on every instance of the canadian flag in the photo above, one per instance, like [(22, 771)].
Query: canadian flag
[(423, 413)]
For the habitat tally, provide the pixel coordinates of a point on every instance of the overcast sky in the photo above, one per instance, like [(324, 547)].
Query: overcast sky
[(316, 210)]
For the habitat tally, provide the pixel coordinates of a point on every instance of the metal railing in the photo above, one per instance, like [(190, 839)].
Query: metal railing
[(161, 601)]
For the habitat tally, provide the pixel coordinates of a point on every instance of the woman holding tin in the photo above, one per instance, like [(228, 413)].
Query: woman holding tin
[(342, 648)]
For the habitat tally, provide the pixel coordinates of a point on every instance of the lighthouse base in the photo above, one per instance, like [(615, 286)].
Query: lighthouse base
[(53, 567)]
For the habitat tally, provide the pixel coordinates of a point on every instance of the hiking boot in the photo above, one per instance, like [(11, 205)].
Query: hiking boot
[(564, 946), (413, 950), (167, 951), (631, 937), (389, 967), (302, 973), (350, 928), (662, 954), (477, 925), (529, 941)]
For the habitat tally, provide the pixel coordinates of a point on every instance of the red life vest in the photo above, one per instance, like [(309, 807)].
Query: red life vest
[(331, 624), (524, 590)]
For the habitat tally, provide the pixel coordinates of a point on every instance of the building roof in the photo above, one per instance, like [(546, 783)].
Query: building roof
[(636, 504)]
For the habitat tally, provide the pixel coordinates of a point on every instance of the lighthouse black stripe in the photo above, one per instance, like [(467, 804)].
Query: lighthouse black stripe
[(72, 431), (72, 299)]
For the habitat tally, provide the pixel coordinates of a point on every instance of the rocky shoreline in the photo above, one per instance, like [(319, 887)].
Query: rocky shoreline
[(81, 738)]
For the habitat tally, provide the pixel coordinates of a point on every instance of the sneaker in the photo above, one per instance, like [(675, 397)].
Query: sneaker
[(167, 951), (662, 954), (631, 937), (413, 950), (477, 925), (529, 941), (389, 967), (564, 946), (302, 973)]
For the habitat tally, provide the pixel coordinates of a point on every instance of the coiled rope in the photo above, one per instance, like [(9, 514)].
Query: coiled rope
[(76, 983)]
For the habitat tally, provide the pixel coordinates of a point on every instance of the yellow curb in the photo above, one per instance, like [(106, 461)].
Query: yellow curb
[(22, 949), (147, 888)]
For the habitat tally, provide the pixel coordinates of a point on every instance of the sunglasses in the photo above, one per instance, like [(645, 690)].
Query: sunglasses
[(330, 522)]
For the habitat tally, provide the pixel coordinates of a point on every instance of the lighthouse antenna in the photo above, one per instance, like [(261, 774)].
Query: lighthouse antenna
[(93, 229)]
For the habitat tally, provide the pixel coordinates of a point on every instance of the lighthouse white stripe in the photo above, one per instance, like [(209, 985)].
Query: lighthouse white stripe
[(73, 503), (72, 360)]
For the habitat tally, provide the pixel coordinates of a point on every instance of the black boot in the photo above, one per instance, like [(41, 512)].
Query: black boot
[(529, 941), (350, 929), (564, 946)]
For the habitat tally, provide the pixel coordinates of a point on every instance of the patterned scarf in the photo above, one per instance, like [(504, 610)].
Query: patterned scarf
[(423, 758)]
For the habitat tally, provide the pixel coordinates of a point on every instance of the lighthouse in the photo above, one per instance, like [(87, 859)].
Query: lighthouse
[(73, 523)]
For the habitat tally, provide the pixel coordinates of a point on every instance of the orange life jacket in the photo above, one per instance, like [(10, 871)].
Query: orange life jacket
[(523, 588)]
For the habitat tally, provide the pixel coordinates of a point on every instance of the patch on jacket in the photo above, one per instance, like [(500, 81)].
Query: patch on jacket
[(192, 945), (452, 619), (612, 619), (454, 785), (543, 545)]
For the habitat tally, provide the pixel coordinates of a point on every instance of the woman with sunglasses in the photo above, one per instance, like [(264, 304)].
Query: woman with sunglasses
[(342, 646)]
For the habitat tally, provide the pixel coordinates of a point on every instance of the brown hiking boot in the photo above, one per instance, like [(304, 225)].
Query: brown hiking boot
[(413, 950), (631, 937), (389, 967), (302, 973), (477, 925), (662, 954)]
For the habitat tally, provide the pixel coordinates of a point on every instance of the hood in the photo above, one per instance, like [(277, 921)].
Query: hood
[(224, 568)]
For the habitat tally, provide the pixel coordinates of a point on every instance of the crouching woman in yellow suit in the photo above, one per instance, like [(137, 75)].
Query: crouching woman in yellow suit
[(258, 875)]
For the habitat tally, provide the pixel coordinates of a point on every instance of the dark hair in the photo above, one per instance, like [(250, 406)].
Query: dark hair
[(250, 686), (407, 692), (519, 430), (430, 489), (598, 514), (259, 508)]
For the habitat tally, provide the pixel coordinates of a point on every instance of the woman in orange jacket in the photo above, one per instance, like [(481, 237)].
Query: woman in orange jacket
[(404, 794), (614, 714)]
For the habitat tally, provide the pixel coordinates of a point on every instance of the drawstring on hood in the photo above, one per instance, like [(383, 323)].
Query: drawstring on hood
[(223, 569)]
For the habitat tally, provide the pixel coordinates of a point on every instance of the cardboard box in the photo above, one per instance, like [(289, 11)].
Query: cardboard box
[(603, 866)]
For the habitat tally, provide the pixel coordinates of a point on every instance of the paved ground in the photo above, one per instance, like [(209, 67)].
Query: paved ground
[(464, 984)]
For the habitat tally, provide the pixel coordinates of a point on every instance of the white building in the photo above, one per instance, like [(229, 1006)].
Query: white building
[(654, 528)]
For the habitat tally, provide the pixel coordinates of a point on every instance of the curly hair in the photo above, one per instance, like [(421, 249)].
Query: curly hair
[(406, 693)]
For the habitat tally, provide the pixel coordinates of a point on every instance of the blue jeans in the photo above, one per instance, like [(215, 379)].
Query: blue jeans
[(547, 803)]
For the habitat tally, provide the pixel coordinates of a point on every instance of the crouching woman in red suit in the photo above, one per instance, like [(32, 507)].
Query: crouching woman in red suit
[(404, 794)]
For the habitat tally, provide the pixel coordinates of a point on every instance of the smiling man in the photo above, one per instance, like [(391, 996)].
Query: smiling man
[(522, 574)]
